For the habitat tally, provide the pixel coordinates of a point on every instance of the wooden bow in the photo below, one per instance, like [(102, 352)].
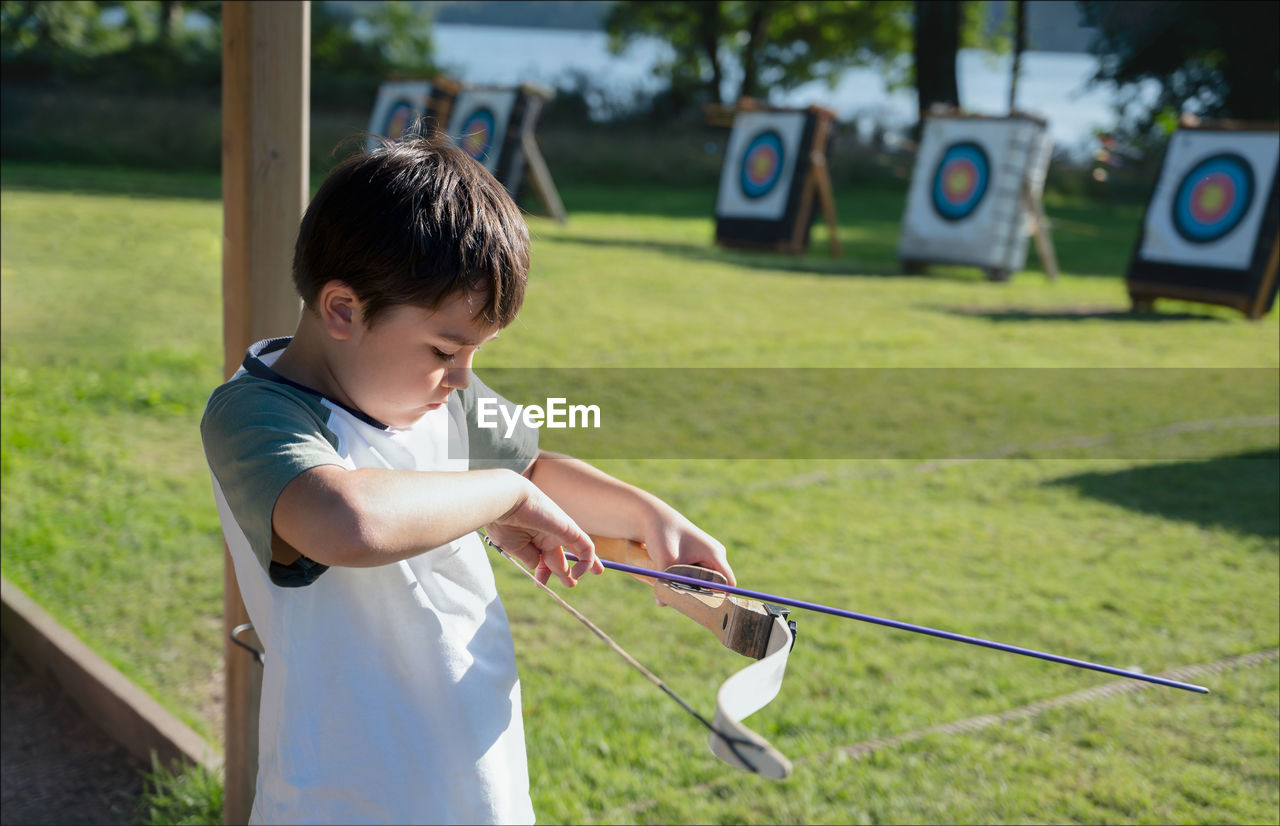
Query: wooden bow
[(740, 625)]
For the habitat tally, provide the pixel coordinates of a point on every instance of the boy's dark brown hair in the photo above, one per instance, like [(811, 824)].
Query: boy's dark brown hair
[(414, 222)]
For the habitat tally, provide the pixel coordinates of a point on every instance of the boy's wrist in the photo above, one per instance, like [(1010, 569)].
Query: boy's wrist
[(657, 517), (516, 486)]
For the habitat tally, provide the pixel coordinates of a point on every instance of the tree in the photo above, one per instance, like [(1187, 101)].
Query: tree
[(1213, 59), (354, 48), (937, 43), (403, 32), (776, 46), (110, 42), (941, 28), (780, 45)]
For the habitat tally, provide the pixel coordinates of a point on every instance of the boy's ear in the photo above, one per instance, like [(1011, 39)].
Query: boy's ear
[(339, 308)]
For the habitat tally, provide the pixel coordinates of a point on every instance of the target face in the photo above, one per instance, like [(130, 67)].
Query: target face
[(480, 121), (1204, 210), (399, 104), (398, 119), (1213, 198), (964, 204), (960, 181), (475, 136), (761, 164)]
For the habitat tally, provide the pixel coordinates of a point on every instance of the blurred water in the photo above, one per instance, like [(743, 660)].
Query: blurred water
[(1051, 84)]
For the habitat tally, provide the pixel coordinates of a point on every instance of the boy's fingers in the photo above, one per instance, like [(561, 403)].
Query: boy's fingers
[(554, 562), (584, 549), (541, 572)]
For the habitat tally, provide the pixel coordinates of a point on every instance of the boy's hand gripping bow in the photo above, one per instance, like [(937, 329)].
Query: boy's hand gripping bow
[(757, 630), (760, 632)]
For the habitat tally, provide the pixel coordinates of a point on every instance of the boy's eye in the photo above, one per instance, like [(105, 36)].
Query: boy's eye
[(446, 357)]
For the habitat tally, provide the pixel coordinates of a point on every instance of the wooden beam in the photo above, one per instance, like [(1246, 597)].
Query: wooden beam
[(125, 713), (266, 51), (827, 197), (540, 176), (1040, 231)]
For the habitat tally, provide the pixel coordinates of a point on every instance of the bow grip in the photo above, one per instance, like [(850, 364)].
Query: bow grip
[(740, 625)]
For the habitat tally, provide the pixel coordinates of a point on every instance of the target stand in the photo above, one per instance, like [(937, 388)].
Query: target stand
[(1211, 232), (976, 195), (402, 103), (775, 168), (496, 125)]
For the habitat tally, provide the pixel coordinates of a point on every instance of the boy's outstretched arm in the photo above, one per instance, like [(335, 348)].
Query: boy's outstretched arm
[(605, 506), (374, 516)]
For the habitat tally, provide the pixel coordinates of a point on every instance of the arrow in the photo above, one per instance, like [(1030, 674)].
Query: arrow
[(902, 626)]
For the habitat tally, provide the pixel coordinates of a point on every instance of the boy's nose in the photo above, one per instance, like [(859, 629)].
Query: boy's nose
[(459, 378)]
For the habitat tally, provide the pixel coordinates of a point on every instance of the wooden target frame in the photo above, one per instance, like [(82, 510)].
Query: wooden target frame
[(775, 169), (976, 195), (1211, 229), (497, 125), (402, 102)]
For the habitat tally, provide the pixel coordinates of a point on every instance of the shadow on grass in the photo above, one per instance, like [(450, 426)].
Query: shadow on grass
[(97, 180), (813, 263), (1240, 493), (1073, 313)]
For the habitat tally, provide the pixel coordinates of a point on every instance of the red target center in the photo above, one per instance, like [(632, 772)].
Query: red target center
[(1212, 197), (762, 164), (476, 139), (399, 121), (959, 178)]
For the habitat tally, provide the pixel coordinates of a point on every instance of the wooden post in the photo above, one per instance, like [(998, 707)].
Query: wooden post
[(827, 197), (540, 177), (1040, 232), (536, 170), (817, 184), (266, 51)]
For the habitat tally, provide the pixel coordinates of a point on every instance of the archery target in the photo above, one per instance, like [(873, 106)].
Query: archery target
[(475, 135), (1208, 203), (759, 165), (479, 123), (964, 202), (398, 105), (1212, 198), (961, 180)]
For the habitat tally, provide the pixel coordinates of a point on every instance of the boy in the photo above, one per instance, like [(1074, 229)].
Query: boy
[(340, 466)]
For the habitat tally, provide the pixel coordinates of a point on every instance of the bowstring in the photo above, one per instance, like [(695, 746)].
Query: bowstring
[(732, 742)]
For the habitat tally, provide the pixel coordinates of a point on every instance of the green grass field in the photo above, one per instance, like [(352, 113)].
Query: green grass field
[(1153, 544)]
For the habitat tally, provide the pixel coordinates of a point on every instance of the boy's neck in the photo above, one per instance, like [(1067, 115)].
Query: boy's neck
[(305, 360)]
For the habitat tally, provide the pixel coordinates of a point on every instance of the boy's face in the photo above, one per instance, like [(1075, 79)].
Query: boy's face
[(412, 358)]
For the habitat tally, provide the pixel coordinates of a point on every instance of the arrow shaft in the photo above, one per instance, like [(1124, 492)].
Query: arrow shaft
[(901, 626)]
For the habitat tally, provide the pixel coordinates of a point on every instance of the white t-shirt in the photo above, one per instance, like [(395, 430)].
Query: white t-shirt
[(389, 694)]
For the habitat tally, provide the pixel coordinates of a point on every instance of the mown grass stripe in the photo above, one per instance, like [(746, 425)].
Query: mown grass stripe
[(823, 477), (1112, 689), (970, 725)]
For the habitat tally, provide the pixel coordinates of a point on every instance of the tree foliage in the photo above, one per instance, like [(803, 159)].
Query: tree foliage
[(105, 42), (1213, 59), (353, 49), (765, 45), (768, 46), (148, 45)]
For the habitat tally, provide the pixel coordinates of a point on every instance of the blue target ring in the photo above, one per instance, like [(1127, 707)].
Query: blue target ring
[(399, 117), (762, 162), (476, 133), (1213, 198), (960, 180)]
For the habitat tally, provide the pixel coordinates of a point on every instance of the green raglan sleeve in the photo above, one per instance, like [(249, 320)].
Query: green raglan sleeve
[(490, 447), (257, 437)]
